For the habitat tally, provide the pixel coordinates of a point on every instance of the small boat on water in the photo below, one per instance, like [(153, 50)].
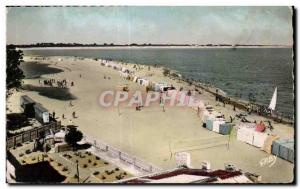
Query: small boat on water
[(273, 100)]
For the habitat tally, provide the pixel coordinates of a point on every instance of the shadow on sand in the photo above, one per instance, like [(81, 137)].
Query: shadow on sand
[(35, 70), (51, 92)]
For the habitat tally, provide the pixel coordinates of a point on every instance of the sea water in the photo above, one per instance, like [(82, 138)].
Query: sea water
[(239, 72)]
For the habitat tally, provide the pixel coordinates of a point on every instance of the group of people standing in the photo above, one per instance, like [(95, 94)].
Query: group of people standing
[(60, 83)]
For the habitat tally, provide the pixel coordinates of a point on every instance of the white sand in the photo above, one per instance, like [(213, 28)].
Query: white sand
[(148, 133)]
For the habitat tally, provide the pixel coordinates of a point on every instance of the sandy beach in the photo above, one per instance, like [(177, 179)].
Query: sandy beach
[(151, 132)]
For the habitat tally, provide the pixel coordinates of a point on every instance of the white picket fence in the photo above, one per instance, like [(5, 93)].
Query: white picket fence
[(116, 153)]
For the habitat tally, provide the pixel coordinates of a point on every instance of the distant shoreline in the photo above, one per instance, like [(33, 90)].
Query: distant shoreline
[(152, 47)]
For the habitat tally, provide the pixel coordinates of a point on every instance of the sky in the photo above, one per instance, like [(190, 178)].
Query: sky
[(156, 25)]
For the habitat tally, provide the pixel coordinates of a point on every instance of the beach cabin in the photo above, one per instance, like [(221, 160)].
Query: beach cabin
[(225, 128), (247, 133), (27, 105), (125, 70), (268, 143), (123, 74), (135, 78), (284, 148), (144, 82), (160, 87), (213, 124), (41, 113)]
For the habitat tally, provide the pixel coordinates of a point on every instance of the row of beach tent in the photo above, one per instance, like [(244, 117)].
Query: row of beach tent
[(214, 121), (181, 96), (250, 133), (253, 134)]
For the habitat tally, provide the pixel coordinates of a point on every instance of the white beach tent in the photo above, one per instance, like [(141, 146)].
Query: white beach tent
[(145, 82), (140, 81), (245, 132), (159, 86), (259, 139), (122, 74), (205, 116), (135, 78), (216, 125), (196, 103), (123, 69)]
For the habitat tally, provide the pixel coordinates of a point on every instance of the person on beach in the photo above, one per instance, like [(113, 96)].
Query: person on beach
[(74, 115), (63, 116), (53, 115), (270, 125), (189, 93), (231, 119)]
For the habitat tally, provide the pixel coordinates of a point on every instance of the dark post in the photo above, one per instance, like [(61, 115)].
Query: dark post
[(77, 173)]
